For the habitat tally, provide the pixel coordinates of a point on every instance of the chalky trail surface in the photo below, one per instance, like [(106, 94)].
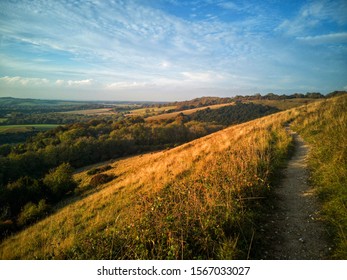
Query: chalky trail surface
[(295, 229)]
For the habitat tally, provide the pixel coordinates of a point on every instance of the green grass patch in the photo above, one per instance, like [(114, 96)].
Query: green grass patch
[(324, 127)]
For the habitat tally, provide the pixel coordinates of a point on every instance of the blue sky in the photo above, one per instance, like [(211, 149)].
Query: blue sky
[(170, 50)]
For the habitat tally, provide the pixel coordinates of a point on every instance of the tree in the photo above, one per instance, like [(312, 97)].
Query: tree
[(33, 212), (59, 181)]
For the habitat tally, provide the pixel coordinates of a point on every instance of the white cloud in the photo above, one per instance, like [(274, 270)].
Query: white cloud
[(80, 83), (30, 82), (75, 83), (21, 81), (134, 45), (325, 38), (128, 85), (202, 76), (313, 14), (60, 82), (230, 6)]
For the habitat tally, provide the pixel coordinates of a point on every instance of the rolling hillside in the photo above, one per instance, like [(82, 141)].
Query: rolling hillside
[(201, 200)]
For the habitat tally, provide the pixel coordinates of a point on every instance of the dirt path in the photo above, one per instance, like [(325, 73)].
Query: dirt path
[(294, 230)]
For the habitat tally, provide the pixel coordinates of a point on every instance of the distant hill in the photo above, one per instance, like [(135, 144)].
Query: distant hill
[(11, 101)]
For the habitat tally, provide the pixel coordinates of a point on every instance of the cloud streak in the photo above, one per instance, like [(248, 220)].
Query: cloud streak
[(23, 81), (126, 45), (326, 38)]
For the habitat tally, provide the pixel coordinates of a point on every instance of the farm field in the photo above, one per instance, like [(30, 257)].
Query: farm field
[(151, 111), (186, 112), (102, 111)]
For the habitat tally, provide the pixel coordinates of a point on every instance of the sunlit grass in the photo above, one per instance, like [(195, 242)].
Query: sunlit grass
[(324, 127), (203, 184), (200, 200)]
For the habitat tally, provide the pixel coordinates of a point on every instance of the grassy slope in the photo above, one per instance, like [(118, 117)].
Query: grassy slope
[(324, 127), (186, 112), (286, 103), (203, 186), (279, 104), (199, 200)]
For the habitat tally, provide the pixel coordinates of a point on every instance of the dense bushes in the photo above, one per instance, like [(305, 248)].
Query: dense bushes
[(33, 212), (59, 181), (238, 113), (27, 199)]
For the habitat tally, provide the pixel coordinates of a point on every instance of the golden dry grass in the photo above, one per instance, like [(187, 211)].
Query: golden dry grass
[(114, 206), (286, 104), (151, 111), (102, 111), (324, 126)]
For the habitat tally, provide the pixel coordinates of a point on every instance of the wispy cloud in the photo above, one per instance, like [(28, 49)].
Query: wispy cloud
[(87, 82), (26, 81), (203, 77), (153, 45), (22, 81), (325, 38), (128, 85), (313, 14)]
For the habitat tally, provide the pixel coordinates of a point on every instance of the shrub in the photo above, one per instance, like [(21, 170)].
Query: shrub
[(6, 227), (94, 171), (100, 179), (60, 181), (32, 212)]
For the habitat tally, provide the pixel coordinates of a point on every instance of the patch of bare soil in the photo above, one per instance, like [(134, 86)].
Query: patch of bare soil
[(293, 229)]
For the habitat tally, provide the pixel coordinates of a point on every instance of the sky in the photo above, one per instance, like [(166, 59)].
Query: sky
[(166, 50)]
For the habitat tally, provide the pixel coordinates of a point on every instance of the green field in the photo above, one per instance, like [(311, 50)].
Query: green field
[(101, 111), (5, 129), (151, 111)]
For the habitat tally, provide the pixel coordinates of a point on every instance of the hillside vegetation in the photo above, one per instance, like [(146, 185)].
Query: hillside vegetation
[(165, 116), (24, 166), (200, 200), (324, 127), (190, 202)]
